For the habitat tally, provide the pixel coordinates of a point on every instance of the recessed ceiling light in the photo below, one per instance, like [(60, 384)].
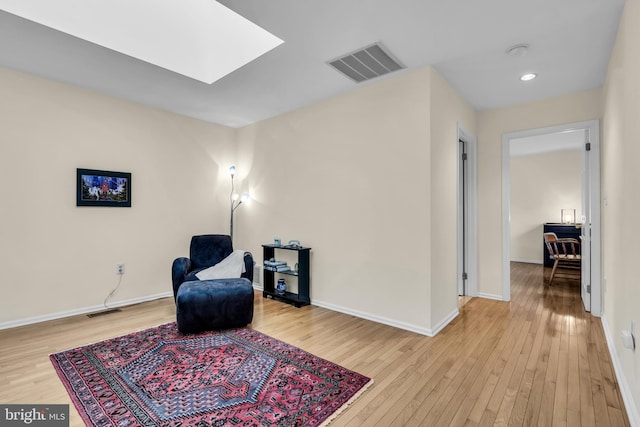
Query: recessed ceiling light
[(528, 76)]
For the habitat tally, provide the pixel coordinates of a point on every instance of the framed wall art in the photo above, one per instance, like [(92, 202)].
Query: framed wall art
[(103, 188)]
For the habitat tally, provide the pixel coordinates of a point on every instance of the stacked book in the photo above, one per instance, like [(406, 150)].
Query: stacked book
[(276, 265)]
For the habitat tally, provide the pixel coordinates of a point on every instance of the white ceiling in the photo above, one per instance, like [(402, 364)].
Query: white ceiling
[(465, 40)]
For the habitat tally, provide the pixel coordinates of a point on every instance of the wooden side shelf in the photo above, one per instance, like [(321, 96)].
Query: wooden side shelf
[(302, 297)]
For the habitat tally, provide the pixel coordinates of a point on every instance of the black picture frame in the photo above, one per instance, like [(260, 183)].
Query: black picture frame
[(103, 188)]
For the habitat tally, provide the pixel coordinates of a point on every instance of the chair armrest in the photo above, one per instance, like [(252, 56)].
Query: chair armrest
[(179, 269), (248, 265), (569, 240)]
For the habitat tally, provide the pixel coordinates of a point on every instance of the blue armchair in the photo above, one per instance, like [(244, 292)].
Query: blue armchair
[(203, 305), (206, 251)]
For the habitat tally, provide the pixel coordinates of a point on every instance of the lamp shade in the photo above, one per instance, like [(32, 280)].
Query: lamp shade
[(568, 216)]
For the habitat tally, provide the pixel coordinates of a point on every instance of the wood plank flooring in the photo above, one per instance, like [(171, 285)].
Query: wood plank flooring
[(537, 360)]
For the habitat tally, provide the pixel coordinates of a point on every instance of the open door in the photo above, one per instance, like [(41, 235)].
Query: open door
[(585, 232), (467, 214), (590, 233), (463, 206)]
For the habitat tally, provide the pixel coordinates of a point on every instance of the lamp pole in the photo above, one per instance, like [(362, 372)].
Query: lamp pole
[(231, 223), (235, 201), (232, 171)]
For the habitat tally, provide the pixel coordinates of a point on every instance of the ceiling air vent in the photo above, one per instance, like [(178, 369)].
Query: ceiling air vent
[(366, 64)]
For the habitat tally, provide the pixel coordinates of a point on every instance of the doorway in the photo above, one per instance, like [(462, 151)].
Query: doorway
[(467, 234), (590, 216)]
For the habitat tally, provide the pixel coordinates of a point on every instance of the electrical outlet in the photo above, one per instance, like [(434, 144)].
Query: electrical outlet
[(629, 337), (119, 268)]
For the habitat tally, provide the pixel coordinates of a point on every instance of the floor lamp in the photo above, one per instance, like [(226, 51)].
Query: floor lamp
[(235, 200)]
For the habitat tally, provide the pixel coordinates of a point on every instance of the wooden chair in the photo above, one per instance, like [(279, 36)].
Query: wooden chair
[(565, 253)]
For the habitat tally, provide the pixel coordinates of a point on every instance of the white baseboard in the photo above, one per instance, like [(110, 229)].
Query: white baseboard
[(386, 321), (85, 310), (379, 319), (92, 309), (490, 296), (625, 389), (444, 322)]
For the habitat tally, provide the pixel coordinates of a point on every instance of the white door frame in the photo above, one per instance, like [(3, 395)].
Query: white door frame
[(592, 128), (472, 215)]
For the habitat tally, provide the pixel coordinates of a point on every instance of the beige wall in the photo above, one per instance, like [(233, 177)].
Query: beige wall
[(492, 124), (541, 185), (448, 110), (620, 183), (59, 258), (352, 177), (338, 176)]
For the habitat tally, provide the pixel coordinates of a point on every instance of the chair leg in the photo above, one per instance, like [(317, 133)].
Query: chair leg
[(553, 272)]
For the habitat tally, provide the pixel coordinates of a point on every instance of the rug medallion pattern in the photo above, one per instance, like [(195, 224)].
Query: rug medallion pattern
[(159, 377)]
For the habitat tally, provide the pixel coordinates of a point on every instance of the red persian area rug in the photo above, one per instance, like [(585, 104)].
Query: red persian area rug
[(238, 377)]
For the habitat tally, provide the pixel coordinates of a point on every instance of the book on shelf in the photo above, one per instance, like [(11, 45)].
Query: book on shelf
[(274, 263)]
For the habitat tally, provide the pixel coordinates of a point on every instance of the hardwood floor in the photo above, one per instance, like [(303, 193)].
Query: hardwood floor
[(537, 360)]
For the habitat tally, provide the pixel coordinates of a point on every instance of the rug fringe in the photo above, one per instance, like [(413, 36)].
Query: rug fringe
[(345, 405)]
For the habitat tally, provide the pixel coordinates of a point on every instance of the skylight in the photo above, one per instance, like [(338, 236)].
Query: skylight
[(201, 39)]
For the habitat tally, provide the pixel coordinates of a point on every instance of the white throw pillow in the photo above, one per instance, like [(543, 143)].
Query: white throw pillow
[(229, 268)]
